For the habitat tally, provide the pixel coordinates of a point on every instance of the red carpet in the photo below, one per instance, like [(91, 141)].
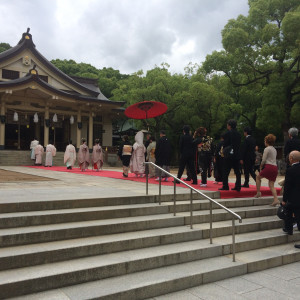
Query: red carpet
[(244, 193)]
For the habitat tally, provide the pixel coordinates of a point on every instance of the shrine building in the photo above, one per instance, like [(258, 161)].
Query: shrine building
[(38, 100)]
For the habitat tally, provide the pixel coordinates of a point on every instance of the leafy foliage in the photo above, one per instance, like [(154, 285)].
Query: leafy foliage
[(4, 47), (262, 59), (107, 77)]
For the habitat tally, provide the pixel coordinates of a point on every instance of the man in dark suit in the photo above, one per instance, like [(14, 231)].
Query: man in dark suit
[(291, 194), (187, 151), (248, 156), (232, 138), (163, 153)]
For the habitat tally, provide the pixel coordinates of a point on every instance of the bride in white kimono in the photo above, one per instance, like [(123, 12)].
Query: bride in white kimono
[(138, 155)]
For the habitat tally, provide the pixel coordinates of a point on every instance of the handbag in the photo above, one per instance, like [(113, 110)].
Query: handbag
[(281, 212)]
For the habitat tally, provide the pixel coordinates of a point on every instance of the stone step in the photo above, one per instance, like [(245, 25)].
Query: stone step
[(9, 205), (39, 205), (32, 218), (171, 257), (71, 230), (22, 158), (152, 283), (28, 255)]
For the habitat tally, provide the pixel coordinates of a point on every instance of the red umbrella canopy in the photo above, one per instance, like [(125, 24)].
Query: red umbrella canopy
[(145, 110)]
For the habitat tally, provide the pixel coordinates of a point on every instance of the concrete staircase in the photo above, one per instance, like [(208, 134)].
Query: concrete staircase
[(131, 247)]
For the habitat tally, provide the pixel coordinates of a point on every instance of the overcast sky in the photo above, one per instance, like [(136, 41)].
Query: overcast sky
[(127, 35)]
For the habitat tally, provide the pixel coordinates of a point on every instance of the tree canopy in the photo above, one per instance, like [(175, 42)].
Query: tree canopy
[(4, 47), (107, 77), (261, 58)]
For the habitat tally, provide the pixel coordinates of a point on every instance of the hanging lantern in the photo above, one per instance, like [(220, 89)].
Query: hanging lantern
[(54, 118), (35, 118), (16, 117), (72, 120)]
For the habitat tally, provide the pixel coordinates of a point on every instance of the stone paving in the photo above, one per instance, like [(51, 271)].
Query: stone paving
[(277, 283)]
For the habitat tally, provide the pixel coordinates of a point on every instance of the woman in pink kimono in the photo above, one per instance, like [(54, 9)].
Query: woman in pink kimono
[(97, 156), (138, 156), (70, 156), (50, 152), (83, 156), (39, 151)]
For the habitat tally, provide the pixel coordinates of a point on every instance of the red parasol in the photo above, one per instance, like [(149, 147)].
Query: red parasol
[(145, 110)]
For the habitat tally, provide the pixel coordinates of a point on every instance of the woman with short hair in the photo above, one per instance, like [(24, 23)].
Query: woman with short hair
[(268, 168)]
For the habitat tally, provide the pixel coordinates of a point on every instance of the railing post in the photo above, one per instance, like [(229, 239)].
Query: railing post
[(174, 197), (159, 195), (191, 208), (233, 239), (147, 182), (210, 221)]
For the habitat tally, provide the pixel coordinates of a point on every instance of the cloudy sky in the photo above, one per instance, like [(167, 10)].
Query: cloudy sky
[(127, 35)]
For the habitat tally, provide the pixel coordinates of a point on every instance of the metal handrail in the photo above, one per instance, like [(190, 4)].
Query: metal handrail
[(234, 215)]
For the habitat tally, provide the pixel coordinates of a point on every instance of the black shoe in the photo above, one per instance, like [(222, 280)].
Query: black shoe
[(224, 189), (287, 232), (236, 189), (297, 246), (245, 185), (194, 182), (177, 181), (187, 179)]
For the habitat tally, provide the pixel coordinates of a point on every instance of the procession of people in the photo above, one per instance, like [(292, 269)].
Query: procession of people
[(198, 154)]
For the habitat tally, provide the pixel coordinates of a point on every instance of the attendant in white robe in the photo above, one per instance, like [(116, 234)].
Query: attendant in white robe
[(97, 156), (138, 156), (50, 153), (70, 156), (83, 156), (39, 151), (33, 144)]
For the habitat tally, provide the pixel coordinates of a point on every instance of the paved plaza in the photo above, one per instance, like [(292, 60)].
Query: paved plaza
[(276, 283)]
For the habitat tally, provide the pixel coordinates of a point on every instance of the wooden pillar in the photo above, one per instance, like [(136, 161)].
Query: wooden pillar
[(91, 125), (46, 128), (2, 125), (79, 126)]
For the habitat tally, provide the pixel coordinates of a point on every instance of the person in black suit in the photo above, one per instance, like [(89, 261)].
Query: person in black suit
[(291, 194), (163, 153), (248, 156), (187, 151), (232, 139), (293, 143)]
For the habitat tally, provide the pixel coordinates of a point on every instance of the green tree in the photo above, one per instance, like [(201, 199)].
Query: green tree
[(261, 57), (157, 85), (4, 47), (108, 80), (107, 77)]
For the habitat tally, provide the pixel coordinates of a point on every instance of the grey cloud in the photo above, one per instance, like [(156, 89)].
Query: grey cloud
[(128, 35)]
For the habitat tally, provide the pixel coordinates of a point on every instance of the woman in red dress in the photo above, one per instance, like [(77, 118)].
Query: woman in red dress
[(268, 168)]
